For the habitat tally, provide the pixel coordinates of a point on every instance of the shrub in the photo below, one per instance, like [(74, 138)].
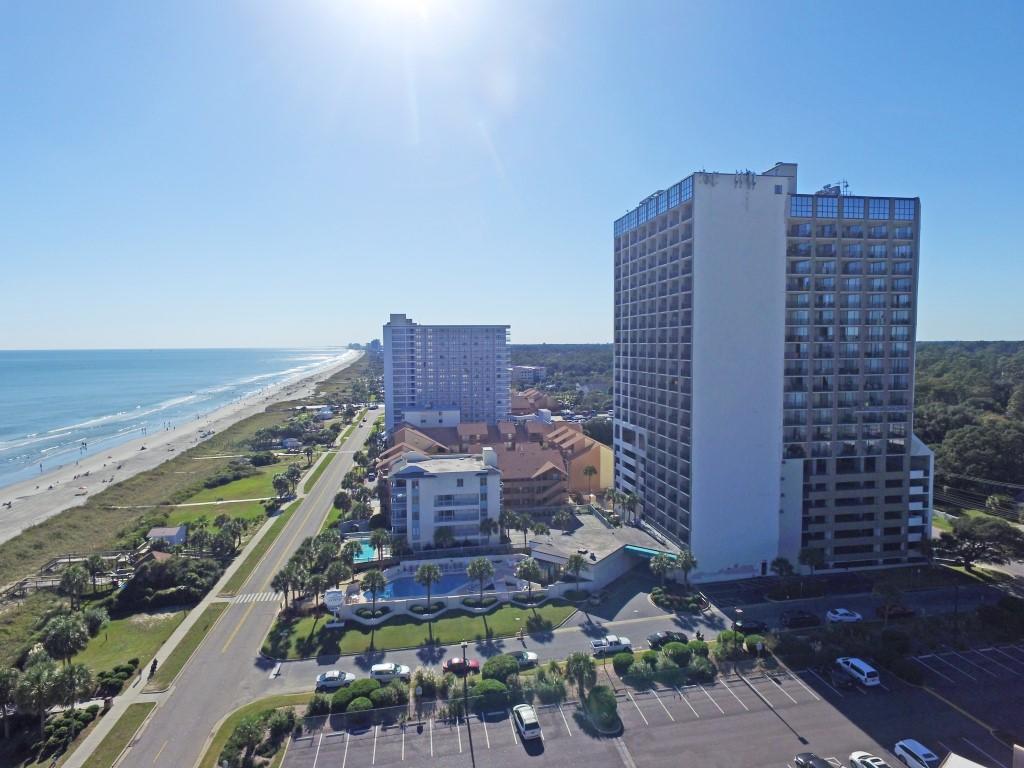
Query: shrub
[(427, 681), (895, 641), (622, 662), (318, 705), (641, 673), (795, 651), (262, 459), (357, 689), (700, 670), (698, 648), (907, 670), (358, 709), (651, 657), (390, 695), (668, 671), (550, 691), (499, 667), (602, 706), (729, 645), (751, 641), (680, 653), (490, 694), (95, 617), (369, 613), (281, 723)]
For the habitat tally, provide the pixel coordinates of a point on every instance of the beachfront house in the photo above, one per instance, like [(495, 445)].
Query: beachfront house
[(291, 443), (173, 536)]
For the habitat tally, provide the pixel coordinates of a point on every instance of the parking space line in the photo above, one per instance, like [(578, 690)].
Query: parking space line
[(687, 702), (345, 758), (711, 699), (730, 690), (943, 746), (802, 685), (567, 728), (513, 727), (637, 707), (458, 732), (1000, 763), (921, 661), (658, 698), (953, 666), (1011, 658), (317, 755), (779, 686), (430, 720), (757, 692), (403, 744), (487, 736), (826, 682), (997, 663), (975, 664), (373, 758)]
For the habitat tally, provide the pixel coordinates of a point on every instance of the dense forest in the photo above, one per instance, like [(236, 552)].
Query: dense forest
[(969, 406)]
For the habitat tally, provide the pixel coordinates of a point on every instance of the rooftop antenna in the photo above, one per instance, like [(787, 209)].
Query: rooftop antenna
[(846, 187)]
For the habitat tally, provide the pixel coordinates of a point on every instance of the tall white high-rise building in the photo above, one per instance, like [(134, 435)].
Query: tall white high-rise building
[(443, 369), (764, 358)]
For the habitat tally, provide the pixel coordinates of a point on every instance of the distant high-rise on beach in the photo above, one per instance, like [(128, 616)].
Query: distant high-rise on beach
[(441, 375), (764, 372)]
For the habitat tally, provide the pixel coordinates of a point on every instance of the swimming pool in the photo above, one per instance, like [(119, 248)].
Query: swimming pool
[(406, 586), (367, 553)]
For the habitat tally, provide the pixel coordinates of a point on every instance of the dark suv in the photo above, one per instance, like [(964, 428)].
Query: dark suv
[(799, 620), (750, 627), (840, 678)]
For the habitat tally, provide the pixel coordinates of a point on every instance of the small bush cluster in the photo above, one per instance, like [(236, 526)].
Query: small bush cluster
[(729, 645), (673, 665), (430, 683), (602, 707), (499, 668), (341, 699), (489, 695), (672, 601), (369, 613), (110, 682), (62, 729), (236, 470)]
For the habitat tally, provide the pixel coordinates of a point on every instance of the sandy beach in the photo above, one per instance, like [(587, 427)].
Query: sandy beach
[(34, 500)]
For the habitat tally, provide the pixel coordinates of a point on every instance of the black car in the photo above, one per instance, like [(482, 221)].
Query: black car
[(749, 627), (811, 760), (840, 678), (659, 639), (799, 620)]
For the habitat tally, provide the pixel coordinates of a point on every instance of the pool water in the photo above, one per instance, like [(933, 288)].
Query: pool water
[(368, 553), (406, 586)]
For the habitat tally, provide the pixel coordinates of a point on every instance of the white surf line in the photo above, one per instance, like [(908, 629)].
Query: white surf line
[(920, 661), (637, 707), (730, 690), (655, 693), (803, 685), (975, 664), (567, 728), (686, 701), (826, 682), (711, 699), (1000, 763)]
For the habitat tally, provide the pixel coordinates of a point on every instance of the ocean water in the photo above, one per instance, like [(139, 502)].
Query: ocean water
[(57, 407)]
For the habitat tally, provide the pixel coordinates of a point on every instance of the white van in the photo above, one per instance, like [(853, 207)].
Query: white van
[(915, 754), (860, 670)]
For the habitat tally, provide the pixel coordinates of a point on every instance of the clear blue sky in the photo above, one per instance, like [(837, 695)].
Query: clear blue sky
[(269, 173)]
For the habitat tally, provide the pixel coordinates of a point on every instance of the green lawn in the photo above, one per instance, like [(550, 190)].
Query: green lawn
[(119, 736), (239, 577), (319, 470), (258, 486), (138, 636), (169, 667), (249, 510), (307, 637), (220, 738)]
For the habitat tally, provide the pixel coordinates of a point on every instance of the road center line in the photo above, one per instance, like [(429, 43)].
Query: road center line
[(237, 627), (637, 707), (160, 752), (722, 711)]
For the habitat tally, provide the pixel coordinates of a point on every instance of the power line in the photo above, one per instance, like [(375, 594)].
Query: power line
[(984, 480)]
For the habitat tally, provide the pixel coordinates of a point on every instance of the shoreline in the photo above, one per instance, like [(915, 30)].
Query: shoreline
[(57, 490)]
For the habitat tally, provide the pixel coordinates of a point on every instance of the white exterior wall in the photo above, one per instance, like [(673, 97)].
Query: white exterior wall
[(466, 522), (431, 418), (791, 510), (738, 325)]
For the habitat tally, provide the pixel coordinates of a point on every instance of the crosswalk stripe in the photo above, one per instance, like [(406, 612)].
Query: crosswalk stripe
[(257, 597)]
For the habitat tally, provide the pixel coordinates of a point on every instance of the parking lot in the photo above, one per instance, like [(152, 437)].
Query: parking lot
[(757, 720)]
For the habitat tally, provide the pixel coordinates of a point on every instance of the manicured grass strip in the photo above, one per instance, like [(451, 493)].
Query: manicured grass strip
[(315, 474), (307, 637), (169, 668), (138, 636), (220, 738), (119, 736), (239, 577)]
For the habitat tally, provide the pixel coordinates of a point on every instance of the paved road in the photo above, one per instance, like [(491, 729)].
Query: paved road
[(227, 670)]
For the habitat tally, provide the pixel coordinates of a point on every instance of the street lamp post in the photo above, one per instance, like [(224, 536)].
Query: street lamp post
[(465, 702)]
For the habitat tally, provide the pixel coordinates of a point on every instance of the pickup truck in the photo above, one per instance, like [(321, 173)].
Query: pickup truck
[(610, 644)]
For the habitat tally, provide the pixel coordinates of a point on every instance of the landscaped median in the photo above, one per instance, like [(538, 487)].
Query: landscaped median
[(171, 666), (318, 470), (117, 738), (242, 573), (308, 637), (254, 709)]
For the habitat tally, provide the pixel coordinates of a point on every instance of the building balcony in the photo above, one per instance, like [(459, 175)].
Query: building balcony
[(917, 474), (916, 520), (913, 537), (916, 506)]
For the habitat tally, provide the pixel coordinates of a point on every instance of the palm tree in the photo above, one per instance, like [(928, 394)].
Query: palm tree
[(588, 472), (64, 636), (575, 565), (9, 678), (443, 537), (281, 485), (374, 581), (488, 527), (890, 593), (317, 583), (686, 562), (308, 450), (813, 558), (661, 565), (615, 496), (72, 583), (248, 734), (281, 584), (95, 565), (351, 550), (523, 524), (378, 540), (294, 474), (336, 573), (36, 691), (528, 571), (539, 529), (72, 683), (562, 519), (507, 521), (481, 569), (631, 502), (427, 575), (582, 670)]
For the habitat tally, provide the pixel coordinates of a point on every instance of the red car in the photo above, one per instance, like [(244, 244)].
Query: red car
[(456, 665)]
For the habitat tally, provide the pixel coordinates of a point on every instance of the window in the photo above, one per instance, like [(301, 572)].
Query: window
[(905, 209), (854, 250), (878, 208), (853, 207), (800, 206), (459, 482), (877, 251), (687, 188), (673, 196), (827, 207), (778, 189), (902, 252)]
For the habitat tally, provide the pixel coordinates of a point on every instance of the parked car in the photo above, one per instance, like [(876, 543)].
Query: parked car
[(659, 639), (866, 760), (842, 615), (457, 666), (811, 760), (798, 620), (611, 644), (749, 627), (860, 670), (915, 754), (524, 658), (526, 722), (333, 678), (840, 677), (389, 671), (894, 612)]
